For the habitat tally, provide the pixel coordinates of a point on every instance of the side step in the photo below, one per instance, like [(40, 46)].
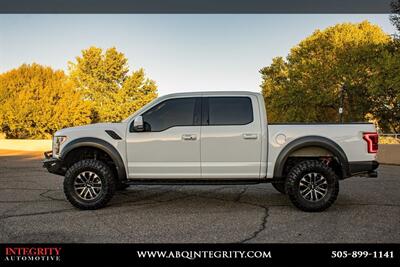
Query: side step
[(194, 182)]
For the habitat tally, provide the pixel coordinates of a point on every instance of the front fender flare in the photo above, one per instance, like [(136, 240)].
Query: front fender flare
[(99, 144)]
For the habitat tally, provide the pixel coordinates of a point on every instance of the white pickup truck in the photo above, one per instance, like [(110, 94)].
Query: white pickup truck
[(211, 138)]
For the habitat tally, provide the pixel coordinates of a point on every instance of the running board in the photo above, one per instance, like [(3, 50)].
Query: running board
[(194, 182)]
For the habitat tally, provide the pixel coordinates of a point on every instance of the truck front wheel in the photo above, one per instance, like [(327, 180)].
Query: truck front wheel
[(312, 186), (89, 184)]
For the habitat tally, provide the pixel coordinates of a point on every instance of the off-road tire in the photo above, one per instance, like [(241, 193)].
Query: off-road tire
[(107, 182), (303, 168), (280, 187)]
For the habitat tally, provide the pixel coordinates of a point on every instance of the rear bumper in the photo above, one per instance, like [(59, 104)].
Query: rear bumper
[(53, 165), (364, 168)]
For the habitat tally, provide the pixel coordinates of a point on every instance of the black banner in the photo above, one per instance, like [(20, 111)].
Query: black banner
[(196, 6), (200, 254)]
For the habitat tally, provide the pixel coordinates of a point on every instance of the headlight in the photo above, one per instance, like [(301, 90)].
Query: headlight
[(57, 142)]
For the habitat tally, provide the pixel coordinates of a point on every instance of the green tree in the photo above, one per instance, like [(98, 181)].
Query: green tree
[(104, 81), (274, 85), (306, 86), (384, 90), (395, 17), (384, 86), (36, 101)]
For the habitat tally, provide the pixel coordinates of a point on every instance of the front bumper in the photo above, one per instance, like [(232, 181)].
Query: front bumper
[(53, 165), (364, 168)]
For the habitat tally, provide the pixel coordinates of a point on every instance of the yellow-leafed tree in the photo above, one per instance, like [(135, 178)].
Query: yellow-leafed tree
[(103, 79), (36, 101)]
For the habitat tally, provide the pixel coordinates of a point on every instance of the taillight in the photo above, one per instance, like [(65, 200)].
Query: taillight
[(372, 141)]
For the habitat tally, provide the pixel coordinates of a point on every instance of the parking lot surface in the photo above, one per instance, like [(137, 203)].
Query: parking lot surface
[(33, 209)]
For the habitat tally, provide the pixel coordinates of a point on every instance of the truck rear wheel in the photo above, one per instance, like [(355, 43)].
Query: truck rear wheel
[(312, 186), (89, 184)]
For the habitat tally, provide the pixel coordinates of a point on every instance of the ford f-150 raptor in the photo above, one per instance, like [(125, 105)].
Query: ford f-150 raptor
[(211, 138)]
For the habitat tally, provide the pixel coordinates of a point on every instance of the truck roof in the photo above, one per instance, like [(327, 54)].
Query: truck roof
[(212, 93)]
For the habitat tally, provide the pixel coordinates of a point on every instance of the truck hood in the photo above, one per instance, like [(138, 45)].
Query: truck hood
[(119, 128)]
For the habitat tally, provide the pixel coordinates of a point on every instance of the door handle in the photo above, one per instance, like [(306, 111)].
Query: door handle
[(250, 136), (189, 137)]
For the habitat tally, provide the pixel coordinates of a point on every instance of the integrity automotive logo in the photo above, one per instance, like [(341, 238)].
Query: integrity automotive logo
[(32, 254)]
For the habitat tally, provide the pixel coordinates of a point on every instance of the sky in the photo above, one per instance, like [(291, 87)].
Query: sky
[(182, 53)]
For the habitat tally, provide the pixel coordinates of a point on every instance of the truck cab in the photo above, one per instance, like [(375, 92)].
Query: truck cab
[(198, 136)]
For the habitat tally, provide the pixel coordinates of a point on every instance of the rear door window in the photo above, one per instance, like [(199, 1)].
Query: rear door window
[(229, 111)]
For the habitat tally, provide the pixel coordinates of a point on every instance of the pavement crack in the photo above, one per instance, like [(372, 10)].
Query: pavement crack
[(150, 202), (35, 213), (23, 201), (239, 196), (43, 195), (22, 188), (237, 199), (261, 227)]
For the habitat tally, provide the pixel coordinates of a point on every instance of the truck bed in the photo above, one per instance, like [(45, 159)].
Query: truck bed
[(348, 136)]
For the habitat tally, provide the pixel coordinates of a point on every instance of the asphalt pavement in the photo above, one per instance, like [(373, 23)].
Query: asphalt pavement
[(33, 209)]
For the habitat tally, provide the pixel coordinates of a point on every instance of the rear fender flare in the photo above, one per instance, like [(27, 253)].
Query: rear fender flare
[(308, 141)]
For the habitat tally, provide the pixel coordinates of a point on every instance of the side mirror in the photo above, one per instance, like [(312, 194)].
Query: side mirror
[(138, 124)]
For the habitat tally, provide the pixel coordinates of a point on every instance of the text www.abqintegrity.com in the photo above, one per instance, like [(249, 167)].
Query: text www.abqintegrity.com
[(203, 254)]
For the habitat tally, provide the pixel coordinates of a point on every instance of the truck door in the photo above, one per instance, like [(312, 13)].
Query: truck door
[(169, 146), (230, 137)]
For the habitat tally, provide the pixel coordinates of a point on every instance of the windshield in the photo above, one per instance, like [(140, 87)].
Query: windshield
[(144, 107)]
